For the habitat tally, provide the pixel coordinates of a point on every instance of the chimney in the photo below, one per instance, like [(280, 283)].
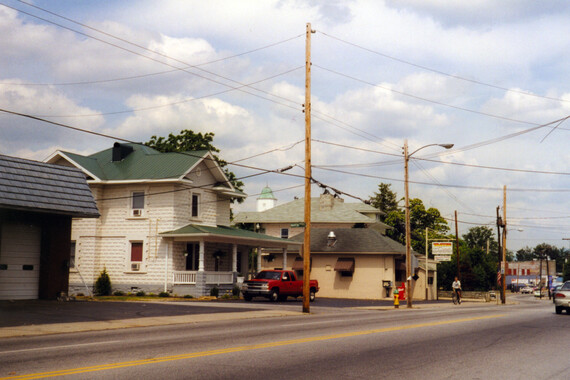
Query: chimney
[(326, 201), (120, 151)]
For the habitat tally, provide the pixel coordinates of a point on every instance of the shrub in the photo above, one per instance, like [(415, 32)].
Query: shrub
[(235, 291), (118, 293), (188, 296), (103, 284), (141, 293), (164, 294), (214, 292)]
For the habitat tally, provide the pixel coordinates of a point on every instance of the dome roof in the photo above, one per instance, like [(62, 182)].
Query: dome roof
[(266, 193)]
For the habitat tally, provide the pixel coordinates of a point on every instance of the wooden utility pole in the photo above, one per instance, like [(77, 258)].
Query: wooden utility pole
[(307, 235), (504, 289), (457, 246)]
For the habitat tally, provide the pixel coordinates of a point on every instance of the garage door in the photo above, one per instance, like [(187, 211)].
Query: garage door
[(19, 261)]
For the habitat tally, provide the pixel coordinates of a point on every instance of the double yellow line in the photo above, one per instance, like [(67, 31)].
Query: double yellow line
[(105, 367)]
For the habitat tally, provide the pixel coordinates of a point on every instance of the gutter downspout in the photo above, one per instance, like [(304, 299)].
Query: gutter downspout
[(166, 268)]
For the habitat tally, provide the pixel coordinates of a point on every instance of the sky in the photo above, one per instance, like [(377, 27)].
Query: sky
[(490, 77)]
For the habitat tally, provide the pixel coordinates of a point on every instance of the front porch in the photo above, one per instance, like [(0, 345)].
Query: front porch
[(204, 257)]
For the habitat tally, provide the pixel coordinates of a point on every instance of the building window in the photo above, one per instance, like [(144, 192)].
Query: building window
[(284, 233), (72, 255), (195, 205), (136, 256), (138, 200), (192, 256)]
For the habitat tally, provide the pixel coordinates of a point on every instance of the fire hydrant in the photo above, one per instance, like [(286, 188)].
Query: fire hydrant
[(396, 298)]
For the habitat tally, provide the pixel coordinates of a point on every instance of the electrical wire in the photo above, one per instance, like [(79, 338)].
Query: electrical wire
[(442, 72)]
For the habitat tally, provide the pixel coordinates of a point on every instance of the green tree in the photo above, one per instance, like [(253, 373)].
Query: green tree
[(525, 254), (188, 141), (384, 200), (103, 284), (420, 219), (478, 237)]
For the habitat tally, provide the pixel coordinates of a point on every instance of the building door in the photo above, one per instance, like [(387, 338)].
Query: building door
[(20, 246)]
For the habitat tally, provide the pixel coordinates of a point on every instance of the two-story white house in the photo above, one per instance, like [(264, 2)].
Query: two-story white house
[(164, 225)]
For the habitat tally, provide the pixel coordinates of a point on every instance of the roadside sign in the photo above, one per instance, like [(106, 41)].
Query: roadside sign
[(442, 250), (442, 258)]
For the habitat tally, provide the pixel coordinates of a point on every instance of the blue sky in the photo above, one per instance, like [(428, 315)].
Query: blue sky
[(477, 74)]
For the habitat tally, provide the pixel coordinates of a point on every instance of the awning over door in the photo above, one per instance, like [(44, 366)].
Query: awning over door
[(344, 264)]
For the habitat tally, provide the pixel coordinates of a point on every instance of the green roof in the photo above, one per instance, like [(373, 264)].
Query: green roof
[(266, 193), (293, 212), (195, 230), (143, 163)]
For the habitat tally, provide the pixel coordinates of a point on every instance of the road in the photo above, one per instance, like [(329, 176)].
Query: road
[(470, 341)]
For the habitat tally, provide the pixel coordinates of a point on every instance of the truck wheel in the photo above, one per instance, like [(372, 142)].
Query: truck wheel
[(247, 297), (274, 295), (312, 295)]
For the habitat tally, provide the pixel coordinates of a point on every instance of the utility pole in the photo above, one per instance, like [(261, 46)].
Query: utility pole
[(408, 237), (308, 175), (500, 250), (504, 299), (457, 245), (427, 268)]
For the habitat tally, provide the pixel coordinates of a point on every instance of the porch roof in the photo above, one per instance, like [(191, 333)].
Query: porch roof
[(227, 234)]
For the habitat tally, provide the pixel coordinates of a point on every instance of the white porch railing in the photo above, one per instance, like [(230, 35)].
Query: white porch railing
[(186, 277), (189, 278), (219, 278)]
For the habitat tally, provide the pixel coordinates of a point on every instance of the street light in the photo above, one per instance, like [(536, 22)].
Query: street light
[(407, 197)]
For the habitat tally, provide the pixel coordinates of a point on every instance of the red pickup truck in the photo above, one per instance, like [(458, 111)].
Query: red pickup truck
[(277, 285)]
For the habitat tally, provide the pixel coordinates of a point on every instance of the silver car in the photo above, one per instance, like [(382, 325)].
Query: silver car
[(562, 298)]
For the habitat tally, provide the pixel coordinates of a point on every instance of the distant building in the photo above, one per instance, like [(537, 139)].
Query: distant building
[(530, 272), (266, 200)]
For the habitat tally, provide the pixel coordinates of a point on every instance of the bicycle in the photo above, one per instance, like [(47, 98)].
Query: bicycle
[(454, 297)]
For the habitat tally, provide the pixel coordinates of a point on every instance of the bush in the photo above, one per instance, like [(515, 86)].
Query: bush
[(214, 292), (103, 284), (188, 296), (140, 293), (118, 293), (164, 294), (235, 291)]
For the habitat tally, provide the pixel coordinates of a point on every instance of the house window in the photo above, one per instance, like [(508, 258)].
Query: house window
[(195, 205), (192, 256), (136, 256), (72, 255), (138, 200), (284, 233)]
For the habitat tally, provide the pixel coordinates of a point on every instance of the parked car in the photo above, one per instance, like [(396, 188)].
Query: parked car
[(562, 298), (277, 285), (527, 290)]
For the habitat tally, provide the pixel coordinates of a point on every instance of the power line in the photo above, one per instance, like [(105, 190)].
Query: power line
[(239, 88), (444, 73), (424, 99)]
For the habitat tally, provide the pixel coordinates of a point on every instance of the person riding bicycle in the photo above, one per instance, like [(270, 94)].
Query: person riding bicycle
[(456, 286)]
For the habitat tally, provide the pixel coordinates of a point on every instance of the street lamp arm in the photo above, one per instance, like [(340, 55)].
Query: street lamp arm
[(446, 146)]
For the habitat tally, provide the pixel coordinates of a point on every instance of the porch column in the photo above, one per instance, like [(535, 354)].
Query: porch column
[(258, 259), (201, 257), (234, 257), (284, 258)]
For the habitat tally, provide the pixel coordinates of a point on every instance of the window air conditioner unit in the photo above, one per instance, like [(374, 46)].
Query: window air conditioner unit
[(135, 267), (137, 212)]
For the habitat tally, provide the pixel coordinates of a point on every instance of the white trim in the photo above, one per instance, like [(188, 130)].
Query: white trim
[(64, 156)]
